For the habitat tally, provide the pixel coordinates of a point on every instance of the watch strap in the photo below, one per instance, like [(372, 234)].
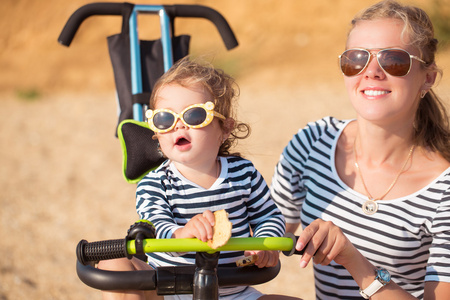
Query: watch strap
[(371, 289)]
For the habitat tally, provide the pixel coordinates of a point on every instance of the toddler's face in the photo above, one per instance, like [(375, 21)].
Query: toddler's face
[(183, 145)]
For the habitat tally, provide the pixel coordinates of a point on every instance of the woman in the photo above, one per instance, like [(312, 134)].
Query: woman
[(373, 194)]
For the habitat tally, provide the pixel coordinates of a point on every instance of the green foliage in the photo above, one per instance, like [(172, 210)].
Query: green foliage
[(30, 94)]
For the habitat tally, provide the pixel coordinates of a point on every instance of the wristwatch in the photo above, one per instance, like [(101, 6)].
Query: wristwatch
[(381, 279)]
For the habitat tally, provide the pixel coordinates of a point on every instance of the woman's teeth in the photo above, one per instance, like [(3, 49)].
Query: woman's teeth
[(374, 92)]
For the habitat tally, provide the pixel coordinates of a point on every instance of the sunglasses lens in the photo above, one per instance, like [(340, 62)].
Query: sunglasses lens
[(353, 61), (395, 62), (194, 116), (163, 120)]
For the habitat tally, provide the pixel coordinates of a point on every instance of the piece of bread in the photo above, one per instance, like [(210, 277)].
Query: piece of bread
[(247, 261), (221, 229)]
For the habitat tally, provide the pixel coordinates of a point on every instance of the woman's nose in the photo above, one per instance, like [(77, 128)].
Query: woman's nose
[(373, 68)]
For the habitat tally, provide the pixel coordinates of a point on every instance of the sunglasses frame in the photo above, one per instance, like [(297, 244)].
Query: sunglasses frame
[(377, 55), (208, 107)]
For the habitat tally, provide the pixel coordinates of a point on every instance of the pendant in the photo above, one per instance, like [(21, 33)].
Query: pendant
[(370, 207)]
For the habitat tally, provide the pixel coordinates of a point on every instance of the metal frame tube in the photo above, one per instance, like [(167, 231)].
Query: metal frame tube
[(166, 40)]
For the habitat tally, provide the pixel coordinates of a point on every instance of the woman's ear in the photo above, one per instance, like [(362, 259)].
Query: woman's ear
[(430, 79)]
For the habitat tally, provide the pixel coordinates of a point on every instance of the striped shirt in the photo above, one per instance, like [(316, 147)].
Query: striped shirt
[(409, 236), (169, 200)]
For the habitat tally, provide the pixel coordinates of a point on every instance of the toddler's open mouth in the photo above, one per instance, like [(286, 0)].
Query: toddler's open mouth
[(182, 141)]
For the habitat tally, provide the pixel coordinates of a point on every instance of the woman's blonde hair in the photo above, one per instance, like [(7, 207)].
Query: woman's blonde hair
[(431, 123), (223, 88)]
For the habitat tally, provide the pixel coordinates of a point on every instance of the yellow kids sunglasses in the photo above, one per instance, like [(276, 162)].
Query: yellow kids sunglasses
[(194, 116)]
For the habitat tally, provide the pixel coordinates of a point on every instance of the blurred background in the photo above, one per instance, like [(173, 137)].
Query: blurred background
[(60, 163)]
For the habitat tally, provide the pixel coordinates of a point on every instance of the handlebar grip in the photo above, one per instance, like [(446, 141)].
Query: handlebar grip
[(82, 13), (103, 250), (200, 11)]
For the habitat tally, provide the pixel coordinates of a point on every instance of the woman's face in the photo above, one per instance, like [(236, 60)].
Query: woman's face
[(376, 95)]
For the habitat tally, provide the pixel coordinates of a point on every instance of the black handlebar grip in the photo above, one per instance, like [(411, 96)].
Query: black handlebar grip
[(84, 12), (103, 250), (200, 11)]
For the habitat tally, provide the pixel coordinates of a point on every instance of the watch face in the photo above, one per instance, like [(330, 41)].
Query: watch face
[(384, 275)]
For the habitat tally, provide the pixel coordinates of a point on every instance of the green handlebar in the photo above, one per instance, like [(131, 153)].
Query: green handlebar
[(110, 249), (195, 245)]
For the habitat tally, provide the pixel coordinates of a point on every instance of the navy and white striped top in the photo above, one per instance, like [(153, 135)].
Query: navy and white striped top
[(409, 236), (169, 200)]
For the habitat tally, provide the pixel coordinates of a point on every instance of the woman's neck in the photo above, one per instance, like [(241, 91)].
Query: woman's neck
[(382, 144)]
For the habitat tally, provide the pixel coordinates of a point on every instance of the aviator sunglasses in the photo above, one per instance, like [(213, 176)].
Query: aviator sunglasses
[(396, 62), (194, 116)]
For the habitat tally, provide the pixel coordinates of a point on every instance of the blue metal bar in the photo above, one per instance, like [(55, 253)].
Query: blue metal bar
[(166, 40), (136, 71)]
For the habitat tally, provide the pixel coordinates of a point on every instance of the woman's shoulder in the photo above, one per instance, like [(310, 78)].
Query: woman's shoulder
[(325, 129), (437, 171), (327, 124)]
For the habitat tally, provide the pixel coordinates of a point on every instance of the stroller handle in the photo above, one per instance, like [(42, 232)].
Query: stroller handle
[(119, 9), (175, 279), (110, 249), (86, 11), (199, 11)]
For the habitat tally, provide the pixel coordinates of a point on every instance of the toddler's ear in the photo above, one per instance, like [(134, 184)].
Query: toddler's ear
[(228, 125)]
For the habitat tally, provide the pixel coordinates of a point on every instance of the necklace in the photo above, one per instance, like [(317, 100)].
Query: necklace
[(371, 206)]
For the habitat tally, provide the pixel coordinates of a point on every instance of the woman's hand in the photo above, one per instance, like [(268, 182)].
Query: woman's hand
[(200, 227), (268, 258), (323, 241)]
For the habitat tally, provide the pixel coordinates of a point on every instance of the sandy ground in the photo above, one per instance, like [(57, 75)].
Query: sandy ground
[(60, 175)]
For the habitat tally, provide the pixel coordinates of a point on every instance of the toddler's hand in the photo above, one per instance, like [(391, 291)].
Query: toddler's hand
[(268, 258), (200, 227)]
